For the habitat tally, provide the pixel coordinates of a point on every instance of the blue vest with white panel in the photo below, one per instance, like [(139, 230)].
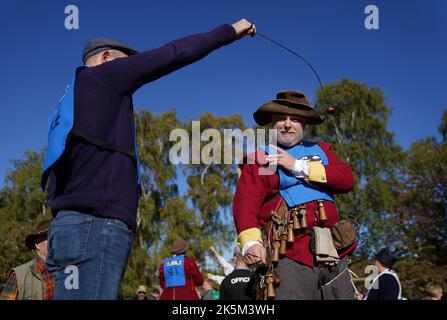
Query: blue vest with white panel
[(297, 191)]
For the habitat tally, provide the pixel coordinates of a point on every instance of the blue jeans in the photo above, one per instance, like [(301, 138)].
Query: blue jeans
[(87, 255)]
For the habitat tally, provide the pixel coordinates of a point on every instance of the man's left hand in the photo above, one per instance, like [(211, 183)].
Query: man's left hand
[(282, 158)]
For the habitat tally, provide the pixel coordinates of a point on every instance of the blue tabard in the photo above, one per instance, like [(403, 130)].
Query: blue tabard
[(297, 191), (60, 125), (174, 271)]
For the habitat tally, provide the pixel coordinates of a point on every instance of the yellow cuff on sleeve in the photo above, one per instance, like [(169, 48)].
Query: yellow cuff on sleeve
[(252, 234), (317, 173)]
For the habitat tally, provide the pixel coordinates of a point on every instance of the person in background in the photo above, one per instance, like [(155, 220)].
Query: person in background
[(155, 295), (179, 274), (141, 293), (238, 285), (227, 267), (386, 286), (210, 293), (434, 292), (32, 281)]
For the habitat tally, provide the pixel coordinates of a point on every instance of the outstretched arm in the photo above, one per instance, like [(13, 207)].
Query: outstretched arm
[(128, 74), (214, 277), (228, 267)]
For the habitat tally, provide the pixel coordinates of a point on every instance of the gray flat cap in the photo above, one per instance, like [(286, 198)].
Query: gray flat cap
[(97, 45)]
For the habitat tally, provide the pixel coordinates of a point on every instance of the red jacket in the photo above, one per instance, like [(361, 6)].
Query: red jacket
[(250, 208), (188, 292)]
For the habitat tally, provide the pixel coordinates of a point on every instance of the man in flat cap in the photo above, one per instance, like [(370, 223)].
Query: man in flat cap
[(91, 164), (179, 275), (288, 192), (386, 286), (31, 280)]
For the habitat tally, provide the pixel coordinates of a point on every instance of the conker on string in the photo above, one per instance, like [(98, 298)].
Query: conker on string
[(330, 110), (276, 281)]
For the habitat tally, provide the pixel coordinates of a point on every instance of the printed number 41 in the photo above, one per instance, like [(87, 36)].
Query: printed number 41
[(172, 271)]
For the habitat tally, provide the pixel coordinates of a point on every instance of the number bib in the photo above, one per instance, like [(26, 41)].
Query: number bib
[(174, 270), (61, 124)]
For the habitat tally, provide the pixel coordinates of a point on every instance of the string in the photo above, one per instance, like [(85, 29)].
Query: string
[(300, 57)]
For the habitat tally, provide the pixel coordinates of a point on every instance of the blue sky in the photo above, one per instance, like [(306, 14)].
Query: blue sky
[(406, 58)]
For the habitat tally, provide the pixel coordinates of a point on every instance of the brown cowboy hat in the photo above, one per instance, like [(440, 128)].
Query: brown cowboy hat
[(179, 246), (39, 235), (288, 102)]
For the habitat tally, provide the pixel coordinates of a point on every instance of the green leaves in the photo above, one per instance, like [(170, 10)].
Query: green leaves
[(400, 197), (191, 201), (359, 133), (22, 206)]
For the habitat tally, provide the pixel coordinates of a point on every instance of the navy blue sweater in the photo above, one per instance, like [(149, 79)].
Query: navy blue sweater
[(101, 182), (388, 289)]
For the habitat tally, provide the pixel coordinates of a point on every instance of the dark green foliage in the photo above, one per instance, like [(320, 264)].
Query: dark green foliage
[(22, 206), (200, 214), (360, 136)]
